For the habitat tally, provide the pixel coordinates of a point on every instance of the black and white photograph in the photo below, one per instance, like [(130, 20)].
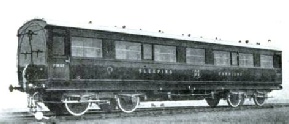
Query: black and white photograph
[(144, 61)]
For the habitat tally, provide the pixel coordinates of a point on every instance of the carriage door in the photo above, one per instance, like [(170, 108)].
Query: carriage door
[(59, 62)]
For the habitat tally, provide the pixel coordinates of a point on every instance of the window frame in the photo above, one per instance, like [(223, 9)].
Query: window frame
[(271, 62), (155, 56), (92, 57), (237, 59), (193, 56), (139, 58), (246, 60), (228, 63), (64, 45), (143, 52)]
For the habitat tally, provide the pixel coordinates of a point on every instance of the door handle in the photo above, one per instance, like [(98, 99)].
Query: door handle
[(67, 60)]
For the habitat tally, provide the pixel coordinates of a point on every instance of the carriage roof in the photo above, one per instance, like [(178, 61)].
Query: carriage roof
[(152, 34)]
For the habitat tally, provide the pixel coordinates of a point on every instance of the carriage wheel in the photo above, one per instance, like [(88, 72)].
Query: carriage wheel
[(234, 100), (259, 100), (213, 102), (128, 103), (76, 109)]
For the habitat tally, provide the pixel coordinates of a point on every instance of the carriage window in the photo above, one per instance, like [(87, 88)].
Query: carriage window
[(58, 45), (128, 50), (234, 58), (86, 47), (221, 58), (195, 56), (165, 53), (147, 51), (246, 60), (266, 61), (277, 60)]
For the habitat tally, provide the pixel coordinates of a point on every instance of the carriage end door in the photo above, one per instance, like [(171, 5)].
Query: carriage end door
[(59, 61)]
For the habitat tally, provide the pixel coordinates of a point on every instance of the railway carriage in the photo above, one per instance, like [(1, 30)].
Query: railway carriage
[(68, 67)]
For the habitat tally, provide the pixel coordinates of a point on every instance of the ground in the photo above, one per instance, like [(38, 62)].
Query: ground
[(276, 115), (268, 115)]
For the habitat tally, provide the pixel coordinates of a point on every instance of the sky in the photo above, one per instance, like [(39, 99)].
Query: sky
[(233, 20)]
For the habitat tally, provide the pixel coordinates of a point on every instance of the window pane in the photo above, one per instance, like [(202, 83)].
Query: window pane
[(195, 56), (77, 47), (86, 47), (234, 59), (266, 61), (246, 60), (128, 50), (165, 53), (221, 58), (58, 46), (147, 51)]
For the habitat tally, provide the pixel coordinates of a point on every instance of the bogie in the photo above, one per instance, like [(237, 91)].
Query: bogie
[(235, 99), (259, 99), (128, 103), (76, 106)]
